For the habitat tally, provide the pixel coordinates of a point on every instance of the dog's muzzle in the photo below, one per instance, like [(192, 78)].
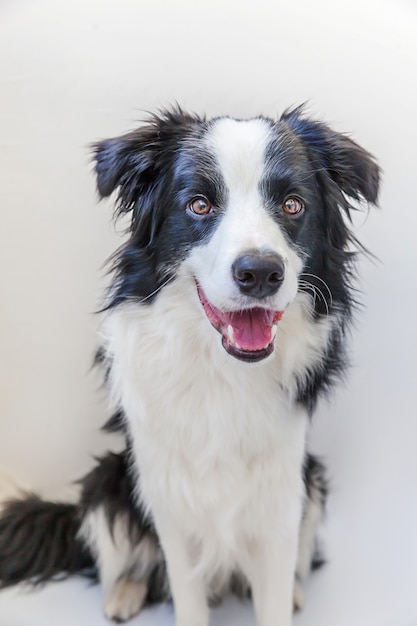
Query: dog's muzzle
[(248, 334)]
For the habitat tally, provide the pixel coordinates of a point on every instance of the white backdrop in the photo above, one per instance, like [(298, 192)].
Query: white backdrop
[(72, 71)]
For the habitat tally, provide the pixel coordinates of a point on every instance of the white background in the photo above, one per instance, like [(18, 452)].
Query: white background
[(73, 71)]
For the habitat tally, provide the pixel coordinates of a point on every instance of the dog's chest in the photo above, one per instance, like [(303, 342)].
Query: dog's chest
[(216, 441), (218, 461)]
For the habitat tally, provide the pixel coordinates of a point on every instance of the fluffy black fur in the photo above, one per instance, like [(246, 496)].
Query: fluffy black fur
[(111, 485), (38, 541)]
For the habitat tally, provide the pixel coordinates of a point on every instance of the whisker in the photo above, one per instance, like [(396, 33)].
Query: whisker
[(166, 282), (323, 282), (316, 290), (308, 287), (157, 289), (324, 299)]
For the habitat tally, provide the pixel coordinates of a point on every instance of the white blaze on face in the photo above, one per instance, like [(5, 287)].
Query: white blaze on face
[(240, 148)]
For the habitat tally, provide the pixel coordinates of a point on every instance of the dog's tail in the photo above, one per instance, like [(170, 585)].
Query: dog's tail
[(38, 541)]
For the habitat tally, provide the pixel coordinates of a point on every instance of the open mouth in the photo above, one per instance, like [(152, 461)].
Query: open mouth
[(247, 335)]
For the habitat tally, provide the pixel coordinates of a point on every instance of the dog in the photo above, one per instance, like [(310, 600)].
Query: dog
[(225, 322)]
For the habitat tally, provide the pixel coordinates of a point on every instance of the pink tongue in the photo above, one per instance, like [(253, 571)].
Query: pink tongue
[(252, 328)]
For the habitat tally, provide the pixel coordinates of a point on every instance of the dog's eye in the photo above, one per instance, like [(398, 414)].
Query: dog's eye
[(200, 206), (293, 207)]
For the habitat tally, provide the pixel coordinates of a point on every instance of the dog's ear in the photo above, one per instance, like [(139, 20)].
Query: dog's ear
[(127, 163), (134, 163), (353, 169)]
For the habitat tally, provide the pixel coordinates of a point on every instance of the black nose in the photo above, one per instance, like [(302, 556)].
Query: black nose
[(258, 274)]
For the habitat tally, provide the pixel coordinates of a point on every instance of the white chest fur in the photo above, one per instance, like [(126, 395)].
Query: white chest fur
[(218, 443)]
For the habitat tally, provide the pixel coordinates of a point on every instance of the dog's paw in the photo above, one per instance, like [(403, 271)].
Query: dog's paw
[(298, 596), (125, 600)]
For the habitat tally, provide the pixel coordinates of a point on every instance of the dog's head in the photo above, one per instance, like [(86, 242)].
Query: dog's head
[(253, 210)]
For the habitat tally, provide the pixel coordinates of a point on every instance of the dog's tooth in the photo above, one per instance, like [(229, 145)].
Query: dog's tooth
[(274, 331), (231, 336)]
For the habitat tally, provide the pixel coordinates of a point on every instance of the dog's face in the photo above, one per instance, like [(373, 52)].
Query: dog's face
[(247, 269), (251, 210)]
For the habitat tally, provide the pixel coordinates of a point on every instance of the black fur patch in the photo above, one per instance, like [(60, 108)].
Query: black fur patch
[(112, 485), (315, 480), (38, 541)]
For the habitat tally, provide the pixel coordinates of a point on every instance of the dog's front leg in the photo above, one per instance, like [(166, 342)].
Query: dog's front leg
[(272, 579), (270, 567), (188, 588)]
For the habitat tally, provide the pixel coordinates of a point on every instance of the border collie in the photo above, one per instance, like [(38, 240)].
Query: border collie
[(225, 322)]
